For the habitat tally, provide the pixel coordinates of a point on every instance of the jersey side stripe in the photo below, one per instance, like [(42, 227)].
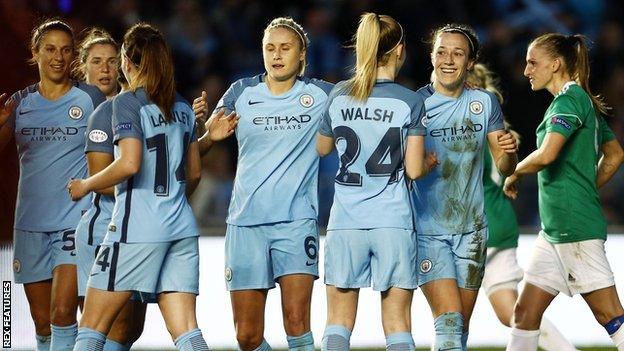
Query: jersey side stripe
[(113, 269), (96, 203), (127, 206)]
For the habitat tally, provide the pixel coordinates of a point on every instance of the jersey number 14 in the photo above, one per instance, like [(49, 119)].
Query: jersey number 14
[(158, 143)]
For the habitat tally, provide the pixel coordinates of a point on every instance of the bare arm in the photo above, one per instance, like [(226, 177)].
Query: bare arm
[(193, 168), (218, 127), (504, 150), (124, 167), (536, 161), (96, 162), (612, 158), (418, 163), (7, 106), (324, 144)]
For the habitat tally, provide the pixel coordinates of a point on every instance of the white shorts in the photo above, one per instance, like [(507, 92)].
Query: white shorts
[(501, 270), (571, 268)]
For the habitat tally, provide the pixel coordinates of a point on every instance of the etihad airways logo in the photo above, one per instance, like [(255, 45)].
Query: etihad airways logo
[(464, 132), (48, 133), (282, 122)]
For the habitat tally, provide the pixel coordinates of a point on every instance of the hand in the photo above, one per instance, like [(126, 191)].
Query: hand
[(431, 161), (200, 107), (7, 106), (77, 189), (219, 126), (511, 186), (507, 142)]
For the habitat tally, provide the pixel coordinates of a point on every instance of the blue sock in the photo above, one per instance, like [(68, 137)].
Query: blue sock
[(448, 328), (43, 342), (402, 341), (192, 340), (89, 340), (336, 338), (465, 341), (112, 345), (264, 346), (303, 342), (614, 325), (63, 338)]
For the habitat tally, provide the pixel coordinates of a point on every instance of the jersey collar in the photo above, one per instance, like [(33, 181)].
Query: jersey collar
[(565, 87)]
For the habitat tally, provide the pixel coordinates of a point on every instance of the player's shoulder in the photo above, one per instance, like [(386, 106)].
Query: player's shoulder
[(426, 91), (180, 99), (104, 108), (399, 92), (243, 83), (21, 95), (325, 86), (94, 93)]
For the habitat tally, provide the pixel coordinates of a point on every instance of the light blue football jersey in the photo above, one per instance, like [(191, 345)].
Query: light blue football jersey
[(371, 190), (277, 172), (50, 136), (449, 200), (151, 206), (94, 222)]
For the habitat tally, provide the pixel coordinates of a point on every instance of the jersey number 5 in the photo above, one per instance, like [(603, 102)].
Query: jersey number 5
[(378, 164)]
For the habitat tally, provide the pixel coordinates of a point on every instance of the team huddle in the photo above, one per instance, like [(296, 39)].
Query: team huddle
[(422, 191)]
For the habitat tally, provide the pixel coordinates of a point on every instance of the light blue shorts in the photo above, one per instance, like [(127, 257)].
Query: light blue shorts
[(460, 257), (36, 254), (256, 256), (149, 268), (385, 257), (85, 256)]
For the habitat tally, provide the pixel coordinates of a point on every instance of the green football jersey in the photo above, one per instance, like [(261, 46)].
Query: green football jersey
[(502, 222), (569, 206)]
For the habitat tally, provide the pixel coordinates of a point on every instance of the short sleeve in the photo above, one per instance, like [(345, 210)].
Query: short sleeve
[(10, 123), (495, 122), (416, 126), (126, 117), (563, 117), (325, 127), (323, 85), (99, 130), (228, 100), (605, 132)]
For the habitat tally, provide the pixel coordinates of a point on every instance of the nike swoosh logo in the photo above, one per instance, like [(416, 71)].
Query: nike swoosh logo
[(308, 263), (24, 112), (254, 102)]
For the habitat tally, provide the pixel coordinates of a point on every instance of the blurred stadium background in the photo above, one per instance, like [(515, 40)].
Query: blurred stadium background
[(215, 42)]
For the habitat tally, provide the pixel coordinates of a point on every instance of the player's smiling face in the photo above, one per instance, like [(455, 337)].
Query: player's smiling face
[(54, 56), (102, 68), (539, 67), (450, 60), (282, 53)]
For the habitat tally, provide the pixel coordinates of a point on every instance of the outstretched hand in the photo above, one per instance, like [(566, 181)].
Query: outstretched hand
[(7, 106), (220, 126), (507, 142), (77, 189), (431, 161), (200, 107), (510, 188)]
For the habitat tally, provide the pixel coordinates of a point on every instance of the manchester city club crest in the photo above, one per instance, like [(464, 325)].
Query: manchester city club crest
[(306, 100), (228, 274), (17, 266), (476, 107), (425, 266), (75, 112)]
